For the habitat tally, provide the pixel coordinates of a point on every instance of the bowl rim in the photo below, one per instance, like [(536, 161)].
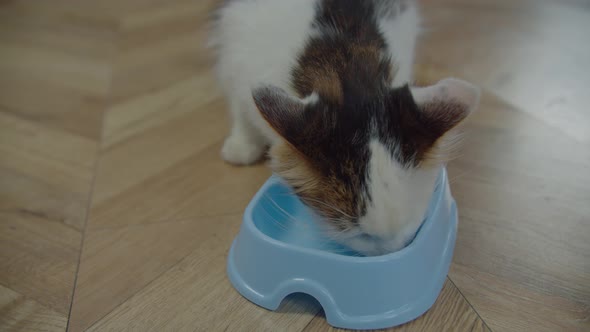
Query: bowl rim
[(435, 201)]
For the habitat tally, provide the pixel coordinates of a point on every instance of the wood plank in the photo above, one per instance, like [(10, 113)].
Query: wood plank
[(45, 179), (521, 186), (196, 295), (135, 115), (161, 44), (46, 154), (54, 68), (507, 305), (38, 258), (157, 147), (118, 262), (505, 59), (18, 313), (44, 171), (54, 80), (523, 228), (142, 156), (201, 185)]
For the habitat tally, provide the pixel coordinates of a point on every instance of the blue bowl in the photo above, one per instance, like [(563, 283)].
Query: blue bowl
[(280, 250)]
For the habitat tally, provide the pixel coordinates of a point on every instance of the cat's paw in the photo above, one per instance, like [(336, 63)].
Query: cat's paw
[(240, 151)]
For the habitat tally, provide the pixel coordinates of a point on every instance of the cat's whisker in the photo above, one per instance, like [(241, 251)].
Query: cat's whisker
[(290, 194), (329, 238), (275, 221), (330, 206), (303, 224), (291, 217)]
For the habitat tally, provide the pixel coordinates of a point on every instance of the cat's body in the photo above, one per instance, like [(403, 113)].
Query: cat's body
[(325, 83)]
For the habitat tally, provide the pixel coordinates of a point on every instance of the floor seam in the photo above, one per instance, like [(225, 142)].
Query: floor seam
[(311, 320), (115, 145), (470, 305), (172, 266), (108, 101), (96, 321), (87, 215)]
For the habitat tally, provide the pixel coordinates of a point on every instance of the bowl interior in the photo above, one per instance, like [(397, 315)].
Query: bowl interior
[(280, 215)]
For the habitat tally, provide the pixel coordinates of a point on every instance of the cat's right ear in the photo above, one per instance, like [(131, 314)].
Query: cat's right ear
[(284, 113)]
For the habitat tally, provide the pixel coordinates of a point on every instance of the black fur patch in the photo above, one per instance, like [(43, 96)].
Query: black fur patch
[(406, 128), (346, 64)]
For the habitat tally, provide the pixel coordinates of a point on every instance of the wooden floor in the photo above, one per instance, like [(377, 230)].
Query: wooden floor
[(116, 212)]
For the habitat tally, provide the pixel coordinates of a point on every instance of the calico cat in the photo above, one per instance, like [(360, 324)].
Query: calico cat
[(327, 85)]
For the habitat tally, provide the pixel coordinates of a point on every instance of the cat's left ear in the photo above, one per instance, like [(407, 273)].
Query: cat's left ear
[(449, 101), (444, 106)]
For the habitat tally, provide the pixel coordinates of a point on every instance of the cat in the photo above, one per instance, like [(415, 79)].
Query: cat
[(327, 85)]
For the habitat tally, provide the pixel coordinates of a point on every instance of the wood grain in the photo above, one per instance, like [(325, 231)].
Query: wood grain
[(522, 180), (116, 211), (54, 79), (38, 258), (513, 48), (118, 262), (196, 295), (17, 313), (54, 66), (47, 171)]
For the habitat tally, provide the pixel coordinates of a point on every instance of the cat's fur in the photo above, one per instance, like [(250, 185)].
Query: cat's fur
[(325, 83)]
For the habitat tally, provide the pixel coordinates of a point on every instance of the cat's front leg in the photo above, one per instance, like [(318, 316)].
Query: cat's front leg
[(245, 145)]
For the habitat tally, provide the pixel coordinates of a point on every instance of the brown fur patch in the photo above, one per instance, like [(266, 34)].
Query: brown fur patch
[(345, 64), (324, 193), (327, 84), (329, 70)]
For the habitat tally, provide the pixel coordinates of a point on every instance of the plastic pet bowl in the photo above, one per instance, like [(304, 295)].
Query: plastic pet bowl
[(280, 251)]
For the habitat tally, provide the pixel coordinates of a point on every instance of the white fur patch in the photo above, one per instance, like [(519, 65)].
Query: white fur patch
[(399, 199), (400, 33), (258, 42)]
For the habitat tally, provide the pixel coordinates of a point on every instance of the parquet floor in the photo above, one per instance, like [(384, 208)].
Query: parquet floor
[(116, 212)]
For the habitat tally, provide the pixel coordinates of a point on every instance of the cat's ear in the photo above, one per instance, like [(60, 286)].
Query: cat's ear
[(284, 113), (445, 106), (450, 101)]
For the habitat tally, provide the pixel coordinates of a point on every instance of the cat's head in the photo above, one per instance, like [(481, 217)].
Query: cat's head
[(367, 165)]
